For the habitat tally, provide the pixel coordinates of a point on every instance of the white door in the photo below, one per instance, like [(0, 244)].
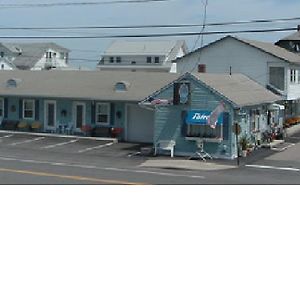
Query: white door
[(79, 115), (140, 124), (50, 115)]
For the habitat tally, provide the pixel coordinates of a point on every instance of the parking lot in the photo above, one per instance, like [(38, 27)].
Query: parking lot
[(66, 145)]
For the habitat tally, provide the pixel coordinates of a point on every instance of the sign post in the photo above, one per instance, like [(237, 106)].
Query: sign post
[(236, 128)]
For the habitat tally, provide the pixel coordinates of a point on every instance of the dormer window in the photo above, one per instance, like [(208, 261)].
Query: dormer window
[(121, 86), (13, 83)]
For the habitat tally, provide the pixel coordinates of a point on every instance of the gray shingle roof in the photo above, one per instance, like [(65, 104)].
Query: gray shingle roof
[(292, 37), (100, 85), (238, 88), (95, 85), (262, 46), (31, 53), (145, 48)]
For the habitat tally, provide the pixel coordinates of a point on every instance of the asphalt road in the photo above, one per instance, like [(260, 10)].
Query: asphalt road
[(51, 160)]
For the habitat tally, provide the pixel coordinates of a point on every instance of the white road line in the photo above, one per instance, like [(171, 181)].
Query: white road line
[(273, 168), (99, 168), (59, 144), (155, 173), (27, 141), (6, 136), (96, 147)]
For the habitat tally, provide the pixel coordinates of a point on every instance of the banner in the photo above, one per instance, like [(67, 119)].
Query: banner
[(201, 117), (213, 118)]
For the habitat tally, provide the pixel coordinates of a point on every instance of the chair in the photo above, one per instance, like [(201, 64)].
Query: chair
[(36, 126), (23, 126), (200, 151), (68, 128), (165, 145)]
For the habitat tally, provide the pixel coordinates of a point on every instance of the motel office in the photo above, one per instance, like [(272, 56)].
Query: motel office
[(105, 100)]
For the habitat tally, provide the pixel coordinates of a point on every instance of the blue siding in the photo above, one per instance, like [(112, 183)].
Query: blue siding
[(170, 124)]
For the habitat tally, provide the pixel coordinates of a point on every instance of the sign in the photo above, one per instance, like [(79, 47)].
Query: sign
[(183, 93), (201, 117)]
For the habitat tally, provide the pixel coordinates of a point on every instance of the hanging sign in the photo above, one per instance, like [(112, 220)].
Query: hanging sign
[(201, 117)]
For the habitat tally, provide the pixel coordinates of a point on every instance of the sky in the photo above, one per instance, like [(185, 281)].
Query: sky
[(152, 13)]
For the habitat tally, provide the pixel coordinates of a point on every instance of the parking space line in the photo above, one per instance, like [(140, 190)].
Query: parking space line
[(59, 144), (6, 136), (94, 148), (27, 141)]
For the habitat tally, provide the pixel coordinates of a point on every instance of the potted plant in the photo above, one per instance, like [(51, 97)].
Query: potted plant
[(244, 145), (87, 130)]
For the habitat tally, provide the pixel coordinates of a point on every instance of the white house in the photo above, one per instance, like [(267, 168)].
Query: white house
[(271, 66), (33, 56), (143, 56)]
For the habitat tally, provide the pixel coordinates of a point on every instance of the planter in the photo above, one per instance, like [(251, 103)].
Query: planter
[(244, 153)]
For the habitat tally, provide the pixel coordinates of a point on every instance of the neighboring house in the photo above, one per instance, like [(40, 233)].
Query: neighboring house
[(101, 100), (183, 113), (291, 42), (143, 56), (271, 66), (33, 56)]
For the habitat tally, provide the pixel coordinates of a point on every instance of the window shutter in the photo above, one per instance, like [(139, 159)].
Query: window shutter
[(5, 108), (20, 109), (93, 113), (37, 109), (225, 126), (176, 93), (183, 123), (112, 113)]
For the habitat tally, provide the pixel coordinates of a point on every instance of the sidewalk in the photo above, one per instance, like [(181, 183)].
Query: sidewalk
[(186, 164)]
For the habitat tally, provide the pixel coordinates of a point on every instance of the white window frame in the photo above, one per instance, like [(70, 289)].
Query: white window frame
[(293, 76), (108, 113), (33, 109), (2, 107)]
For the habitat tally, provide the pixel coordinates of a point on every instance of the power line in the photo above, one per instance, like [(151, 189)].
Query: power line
[(32, 5), (150, 35), (154, 25)]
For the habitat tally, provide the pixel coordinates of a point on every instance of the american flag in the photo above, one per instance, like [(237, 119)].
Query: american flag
[(213, 118)]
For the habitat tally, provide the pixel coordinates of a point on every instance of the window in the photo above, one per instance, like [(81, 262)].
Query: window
[(2, 66), (277, 77), (133, 62), (149, 60), (202, 68), (205, 131), (2, 54), (156, 59), (111, 60), (62, 55), (1, 107), (121, 86), (28, 109), (118, 59), (102, 113), (293, 77), (49, 54)]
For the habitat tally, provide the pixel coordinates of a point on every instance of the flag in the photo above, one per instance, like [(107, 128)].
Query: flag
[(157, 101), (213, 117)]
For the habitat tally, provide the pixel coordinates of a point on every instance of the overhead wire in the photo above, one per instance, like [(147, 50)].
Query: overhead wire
[(150, 34), (257, 21), (86, 3)]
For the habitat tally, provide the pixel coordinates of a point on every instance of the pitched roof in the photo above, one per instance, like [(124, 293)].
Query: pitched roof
[(94, 85), (292, 37), (31, 53), (100, 85), (269, 48), (157, 47), (237, 88)]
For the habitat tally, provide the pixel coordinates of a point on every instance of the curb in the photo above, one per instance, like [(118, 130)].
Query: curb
[(114, 140)]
